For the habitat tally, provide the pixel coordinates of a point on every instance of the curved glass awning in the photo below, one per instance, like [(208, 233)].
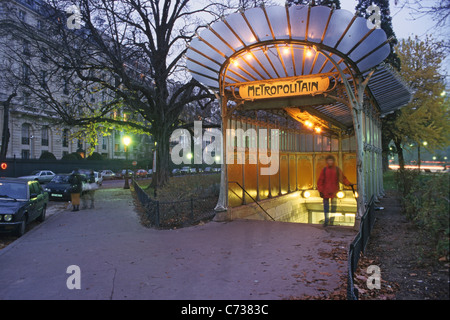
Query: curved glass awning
[(282, 43)]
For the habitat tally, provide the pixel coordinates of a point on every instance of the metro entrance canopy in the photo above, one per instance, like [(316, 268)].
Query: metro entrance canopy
[(312, 60)]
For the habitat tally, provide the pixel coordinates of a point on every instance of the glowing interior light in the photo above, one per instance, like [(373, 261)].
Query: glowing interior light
[(306, 194), (340, 195), (286, 50), (318, 130), (309, 53), (249, 55), (308, 124), (356, 194)]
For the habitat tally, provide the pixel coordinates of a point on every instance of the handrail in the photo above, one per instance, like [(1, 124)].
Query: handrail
[(252, 198)]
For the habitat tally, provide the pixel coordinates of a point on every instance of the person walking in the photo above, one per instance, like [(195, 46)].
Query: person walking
[(328, 185), (76, 182), (90, 193)]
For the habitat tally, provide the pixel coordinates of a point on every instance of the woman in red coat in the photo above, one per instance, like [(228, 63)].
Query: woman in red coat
[(328, 185)]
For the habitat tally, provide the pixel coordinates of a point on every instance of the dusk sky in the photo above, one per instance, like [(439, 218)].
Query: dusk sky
[(406, 23)]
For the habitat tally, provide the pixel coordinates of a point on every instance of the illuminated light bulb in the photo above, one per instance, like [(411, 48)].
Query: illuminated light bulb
[(318, 130), (340, 195), (356, 194), (306, 194), (234, 62), (286, 50), (308, 53), (249, 55)]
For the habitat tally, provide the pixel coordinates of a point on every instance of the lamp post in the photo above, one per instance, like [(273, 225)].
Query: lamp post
[(126, 142)]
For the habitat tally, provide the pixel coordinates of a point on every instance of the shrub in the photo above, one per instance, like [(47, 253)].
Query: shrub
[(71, 157), (47, 156), (427, 204), (95, 157)]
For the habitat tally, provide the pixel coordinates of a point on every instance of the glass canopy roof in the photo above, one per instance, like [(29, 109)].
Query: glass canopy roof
[(283, 42)]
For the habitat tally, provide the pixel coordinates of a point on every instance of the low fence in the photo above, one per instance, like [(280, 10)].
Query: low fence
[(358, 246), (169, 214)]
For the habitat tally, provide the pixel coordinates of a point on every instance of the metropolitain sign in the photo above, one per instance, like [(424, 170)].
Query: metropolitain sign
[(284, 88)]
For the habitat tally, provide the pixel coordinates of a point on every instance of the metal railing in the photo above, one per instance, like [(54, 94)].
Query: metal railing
[(254, 200), (358, 246), (174, 213)]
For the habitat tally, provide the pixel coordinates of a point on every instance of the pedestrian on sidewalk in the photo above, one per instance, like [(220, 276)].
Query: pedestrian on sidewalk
[(75, 181), (328, 185), (89, 194)]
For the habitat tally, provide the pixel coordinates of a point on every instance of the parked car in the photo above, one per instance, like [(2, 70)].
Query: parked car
[(21, 202), (185, 170), (175, 171), (141, 173), (98, 178), (59, 187), (121, 174), (208, 169), (107, 175), (43, 176), (87, 172)]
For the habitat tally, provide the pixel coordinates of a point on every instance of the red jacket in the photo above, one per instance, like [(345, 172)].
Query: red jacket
[(328, 183)]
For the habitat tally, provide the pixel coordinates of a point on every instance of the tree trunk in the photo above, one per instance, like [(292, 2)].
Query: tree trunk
[(161, 176), (401, 159), (419, 161), (5, 132), (385, 155)]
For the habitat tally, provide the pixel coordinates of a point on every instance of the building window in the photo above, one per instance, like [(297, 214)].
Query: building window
[(104, 143), (26, 47), (44, 56), (80, 145), (43, 78), (66, 86), (25, 73), (65, 140), (25, 154), (44, 138), (22, 15), (26, 99), (26, 129)]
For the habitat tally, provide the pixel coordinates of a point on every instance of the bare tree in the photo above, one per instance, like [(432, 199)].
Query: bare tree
[(127, 58)]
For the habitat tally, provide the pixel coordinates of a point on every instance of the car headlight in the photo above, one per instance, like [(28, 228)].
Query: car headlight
[(7, 217)]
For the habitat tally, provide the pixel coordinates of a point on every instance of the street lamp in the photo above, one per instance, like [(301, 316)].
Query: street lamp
[(126, 142)]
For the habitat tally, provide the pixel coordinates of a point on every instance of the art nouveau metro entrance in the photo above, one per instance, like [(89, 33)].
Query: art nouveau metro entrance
[(316, 75)]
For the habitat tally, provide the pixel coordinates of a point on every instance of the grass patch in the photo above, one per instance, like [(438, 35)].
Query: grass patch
[(389, 181)]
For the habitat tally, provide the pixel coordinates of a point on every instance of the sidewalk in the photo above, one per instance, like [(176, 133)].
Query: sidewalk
[(120, 259)]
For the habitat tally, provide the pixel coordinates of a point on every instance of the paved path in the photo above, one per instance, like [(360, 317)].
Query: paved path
[(120, 259)]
